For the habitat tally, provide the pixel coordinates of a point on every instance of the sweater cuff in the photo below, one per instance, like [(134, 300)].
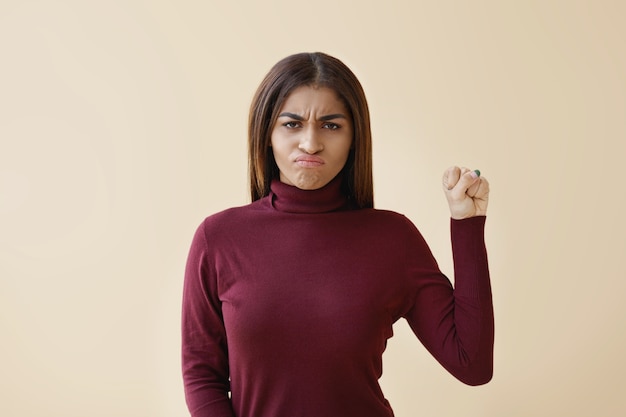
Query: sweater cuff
[(471, 225), (471, 271), (466, 233)]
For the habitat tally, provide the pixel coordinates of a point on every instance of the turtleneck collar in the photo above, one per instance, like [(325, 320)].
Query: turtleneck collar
[(291, 199)]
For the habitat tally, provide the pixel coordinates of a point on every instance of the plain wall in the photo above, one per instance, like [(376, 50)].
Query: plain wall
[(123, 124)]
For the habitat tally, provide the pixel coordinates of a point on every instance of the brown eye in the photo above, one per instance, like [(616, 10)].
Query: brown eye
[(331, 126)]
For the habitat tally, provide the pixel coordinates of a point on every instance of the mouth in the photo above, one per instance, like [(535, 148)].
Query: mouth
[(309, 161)]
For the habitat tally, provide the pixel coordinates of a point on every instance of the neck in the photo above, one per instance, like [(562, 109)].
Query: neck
[(291, 199)]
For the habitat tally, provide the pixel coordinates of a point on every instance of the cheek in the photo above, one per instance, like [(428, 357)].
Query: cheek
[(344, 147), (279, 150), (274, 143)]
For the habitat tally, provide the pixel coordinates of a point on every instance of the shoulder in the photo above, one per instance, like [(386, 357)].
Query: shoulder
[(388, 222), (388, 217), (393, 232), (227, 220)]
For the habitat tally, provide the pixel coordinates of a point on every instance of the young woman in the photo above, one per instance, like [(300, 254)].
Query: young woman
[(289, 301)]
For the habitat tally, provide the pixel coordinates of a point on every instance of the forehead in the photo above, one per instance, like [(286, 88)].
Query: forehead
[(306, 98)]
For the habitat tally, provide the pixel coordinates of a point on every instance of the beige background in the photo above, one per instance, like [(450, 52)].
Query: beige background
[(123, 123)]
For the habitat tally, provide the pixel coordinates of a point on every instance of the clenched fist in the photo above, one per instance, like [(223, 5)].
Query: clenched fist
[(467, 192)]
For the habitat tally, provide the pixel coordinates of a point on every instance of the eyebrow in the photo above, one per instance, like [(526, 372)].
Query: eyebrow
[(323, 118)]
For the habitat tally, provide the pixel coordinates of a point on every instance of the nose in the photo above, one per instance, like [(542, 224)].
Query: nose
[(310, 142)]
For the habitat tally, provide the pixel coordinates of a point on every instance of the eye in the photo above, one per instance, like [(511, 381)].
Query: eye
[(291, 124), (330, 126)]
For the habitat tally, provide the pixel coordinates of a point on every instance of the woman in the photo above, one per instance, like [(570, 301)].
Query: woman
[(289, 301)]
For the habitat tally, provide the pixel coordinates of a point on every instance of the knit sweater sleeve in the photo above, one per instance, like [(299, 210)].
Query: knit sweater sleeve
[(456, 324), (204, 350)]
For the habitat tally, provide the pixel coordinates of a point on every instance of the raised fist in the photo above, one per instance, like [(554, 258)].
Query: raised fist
[(467, 192)]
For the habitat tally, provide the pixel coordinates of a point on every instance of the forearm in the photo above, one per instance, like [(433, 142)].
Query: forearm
[(206, 401), (206, 385), (473, 307)]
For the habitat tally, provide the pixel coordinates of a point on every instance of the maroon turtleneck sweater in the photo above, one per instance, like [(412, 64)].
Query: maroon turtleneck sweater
[(289, 301)]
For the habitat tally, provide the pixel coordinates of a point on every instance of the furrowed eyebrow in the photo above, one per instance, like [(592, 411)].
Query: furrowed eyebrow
[(291, 115), (332, 116), (323, 118)]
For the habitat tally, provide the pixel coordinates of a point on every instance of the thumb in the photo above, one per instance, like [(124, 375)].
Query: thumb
[(467, 180)]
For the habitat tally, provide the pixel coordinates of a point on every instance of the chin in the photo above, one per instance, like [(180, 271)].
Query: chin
[(309, 186), (307, 181)]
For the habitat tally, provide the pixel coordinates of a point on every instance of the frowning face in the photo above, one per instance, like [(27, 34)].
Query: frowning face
[(311, 138)]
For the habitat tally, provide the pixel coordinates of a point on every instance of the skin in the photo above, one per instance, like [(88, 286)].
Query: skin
[(467, 193), (312, 137)]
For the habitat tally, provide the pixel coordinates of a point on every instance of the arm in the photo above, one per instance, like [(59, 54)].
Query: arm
[(456, 324), (204, 350)]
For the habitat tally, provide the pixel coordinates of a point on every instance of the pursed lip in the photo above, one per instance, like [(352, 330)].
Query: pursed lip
[(309, 161)]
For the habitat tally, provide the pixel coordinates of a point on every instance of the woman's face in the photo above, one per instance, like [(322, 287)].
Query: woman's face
[(312, 137)]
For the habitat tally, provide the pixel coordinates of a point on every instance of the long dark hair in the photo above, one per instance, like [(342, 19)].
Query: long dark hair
[(319, 70)]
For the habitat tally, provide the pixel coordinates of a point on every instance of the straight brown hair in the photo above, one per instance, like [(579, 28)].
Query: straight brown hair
[(316, 70)]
